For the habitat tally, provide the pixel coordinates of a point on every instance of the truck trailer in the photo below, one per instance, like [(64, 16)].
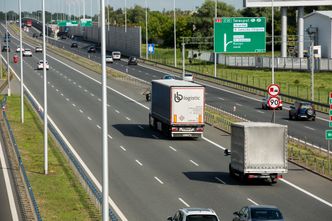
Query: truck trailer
[(258, 151), (177, 108)]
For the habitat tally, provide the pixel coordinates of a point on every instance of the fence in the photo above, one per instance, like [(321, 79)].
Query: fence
[(20, 162)]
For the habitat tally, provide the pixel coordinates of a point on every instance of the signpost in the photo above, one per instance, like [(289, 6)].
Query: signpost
[(328, 133), (240, 35), (151, 48), (274, 90), (274, 102)]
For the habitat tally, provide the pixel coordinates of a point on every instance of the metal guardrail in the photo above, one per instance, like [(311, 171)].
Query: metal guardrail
[(240, 86), (20, 162)]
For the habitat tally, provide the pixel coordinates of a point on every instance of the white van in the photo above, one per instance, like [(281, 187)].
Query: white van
[(116, 55)]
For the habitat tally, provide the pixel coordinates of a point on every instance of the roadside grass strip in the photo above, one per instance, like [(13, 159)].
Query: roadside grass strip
[(59, 194)]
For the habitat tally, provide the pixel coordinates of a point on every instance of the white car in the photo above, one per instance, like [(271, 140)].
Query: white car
[(19, 49), (188, 214), (116, 55), (109, 59), (188, 77), (41, 65), (38, 49), (27, 53)]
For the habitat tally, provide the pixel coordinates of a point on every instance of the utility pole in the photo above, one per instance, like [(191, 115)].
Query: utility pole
[(45, 96), (21, 61), (105, 206)]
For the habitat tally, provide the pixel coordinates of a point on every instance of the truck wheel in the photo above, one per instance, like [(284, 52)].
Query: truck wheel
[(231, 172), (243, 178)]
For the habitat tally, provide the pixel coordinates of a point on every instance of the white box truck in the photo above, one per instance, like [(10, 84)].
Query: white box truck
[(177, 108), (258, 151)]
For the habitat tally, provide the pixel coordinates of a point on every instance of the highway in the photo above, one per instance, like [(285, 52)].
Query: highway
[(246, 104), (151, 176)]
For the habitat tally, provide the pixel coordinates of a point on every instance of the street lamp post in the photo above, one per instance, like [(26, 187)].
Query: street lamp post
[(215, 53), (45, 96), (146, 30), (8, 70), (21, 61), (125, 15), (174, 16)]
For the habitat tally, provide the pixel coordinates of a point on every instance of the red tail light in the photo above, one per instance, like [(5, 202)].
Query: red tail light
[(200, 129), (279, 176), (174, 129)]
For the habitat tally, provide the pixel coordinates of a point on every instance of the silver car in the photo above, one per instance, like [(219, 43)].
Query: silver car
[(258, 213)]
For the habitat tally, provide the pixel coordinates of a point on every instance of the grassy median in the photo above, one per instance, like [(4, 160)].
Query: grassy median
[(59, 195)]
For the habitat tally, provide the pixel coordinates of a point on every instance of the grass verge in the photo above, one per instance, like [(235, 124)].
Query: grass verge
[(59, 194)]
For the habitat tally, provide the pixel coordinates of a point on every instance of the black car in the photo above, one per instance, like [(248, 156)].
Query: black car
[(302, 110), (4, 48), (132, 60), (74, 45), (92, 49)]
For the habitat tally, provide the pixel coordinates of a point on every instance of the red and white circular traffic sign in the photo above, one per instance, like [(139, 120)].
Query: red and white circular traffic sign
[(274, 102), (273, 90)]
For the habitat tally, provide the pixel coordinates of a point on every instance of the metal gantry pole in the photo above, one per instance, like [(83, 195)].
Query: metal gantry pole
[(21, 61), (174, 18), (104, 107), (8, 69), (146, 31), (125, 15), (45, 96), (83, 9), (274, 111), (215, 53)]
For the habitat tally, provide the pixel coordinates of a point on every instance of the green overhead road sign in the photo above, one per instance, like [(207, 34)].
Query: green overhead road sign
[(64, 23), (328, 134), (86, 22), (330, 123), (240, 35)]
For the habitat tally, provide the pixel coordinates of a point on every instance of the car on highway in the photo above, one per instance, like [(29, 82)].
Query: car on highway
[(194, 214), (38, 49), (188, 77), (92, 49), (116, 55), (258, 213), (4, 48), (302, 110), (41, 65), (27, 53), (132, 60), (109, 59), (18, 49), (265, 106), (74, 45), (168, 77), (63, 37)]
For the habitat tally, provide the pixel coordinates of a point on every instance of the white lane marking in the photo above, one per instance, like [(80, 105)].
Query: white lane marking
[(259, 111), (220, 180), (52, 86), (193, 162), (74, 105), (154, 136), (124, 149), (69, 79), (139, 163), (57, 90), (213, 143), (79, 86), (109, 136), (108, 105), (306, 192), (92, 94), (253, 202), (99, 127), (184, 202), (67, 99), (117, 111), (220, 98), (154, 76), (99, 99), (5, 169), (89, 118), (142, 128), (81, 111), (172, 148), (85, 90), (128, 118), (240, 105), (146, 74), (74, 82), (86, 168), (161, 182), (62, 94), (310, 128)]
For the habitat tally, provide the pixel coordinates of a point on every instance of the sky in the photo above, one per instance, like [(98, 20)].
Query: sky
[(75, 6)]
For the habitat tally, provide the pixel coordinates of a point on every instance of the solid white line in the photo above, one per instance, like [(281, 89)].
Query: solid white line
[(310, 128), (306, 192), (5, 169), (250, 200), (154, 136), (99, 127), (109, 136), (193, 162), (220, 98), (124, 149), (213, 143), (142, 128), (128, 118), (161, 182), (172, 148), (259, 111), (139, 163), (220, 180), (182, 201)]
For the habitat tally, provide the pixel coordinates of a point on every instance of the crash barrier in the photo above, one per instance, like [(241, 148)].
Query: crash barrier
[(20, 162)]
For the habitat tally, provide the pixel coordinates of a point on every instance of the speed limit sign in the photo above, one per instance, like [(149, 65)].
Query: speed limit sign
[(273, 90), (274, 102)]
